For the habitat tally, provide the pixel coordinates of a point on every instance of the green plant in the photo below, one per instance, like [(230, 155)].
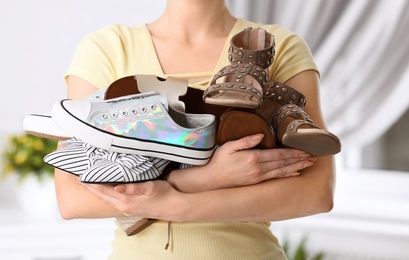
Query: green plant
[(23, 155), (300, 252)]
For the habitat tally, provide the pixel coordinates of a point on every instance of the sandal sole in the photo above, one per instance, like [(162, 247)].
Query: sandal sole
[(316, 142), (237, 123)]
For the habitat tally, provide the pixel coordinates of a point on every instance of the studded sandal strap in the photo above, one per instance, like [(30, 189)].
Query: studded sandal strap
[(237, 82), (292, 111), (284, 94), (240, 51)]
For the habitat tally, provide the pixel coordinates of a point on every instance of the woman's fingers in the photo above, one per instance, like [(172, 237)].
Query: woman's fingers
[(243, 143), (104, 192), (249, 166), (265, 154), (278, 154), (286, 167)]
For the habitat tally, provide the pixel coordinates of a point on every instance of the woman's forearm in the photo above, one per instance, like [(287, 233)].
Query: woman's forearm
[(250, 167), (76, 201), (273, 200), (270, 200)]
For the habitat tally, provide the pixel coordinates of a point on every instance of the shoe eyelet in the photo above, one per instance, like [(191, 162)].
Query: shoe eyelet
[(144, 109), (115, 115), (124, 113), (133, 111), (104, 116), (153, 107)]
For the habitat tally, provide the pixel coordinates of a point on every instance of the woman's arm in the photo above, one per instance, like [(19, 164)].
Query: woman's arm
[(74, 199), (270, 200)]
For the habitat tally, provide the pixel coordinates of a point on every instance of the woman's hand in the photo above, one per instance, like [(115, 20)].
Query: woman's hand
[(235, 164), (152, 199)]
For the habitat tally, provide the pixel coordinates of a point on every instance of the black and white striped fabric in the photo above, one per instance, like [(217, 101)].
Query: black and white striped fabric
[(96, 165), (124, 168), (75, 157)]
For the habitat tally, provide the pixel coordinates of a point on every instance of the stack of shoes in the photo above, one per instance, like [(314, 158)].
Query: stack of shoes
[(119, 135), (257, 105), (129, 122)]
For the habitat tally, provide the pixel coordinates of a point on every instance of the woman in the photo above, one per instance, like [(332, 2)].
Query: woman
[(220, 210)]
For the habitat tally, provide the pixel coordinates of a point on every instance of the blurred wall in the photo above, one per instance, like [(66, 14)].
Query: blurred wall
[(37, 41)]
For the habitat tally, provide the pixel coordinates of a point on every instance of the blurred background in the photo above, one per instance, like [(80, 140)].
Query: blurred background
[(362, 50)]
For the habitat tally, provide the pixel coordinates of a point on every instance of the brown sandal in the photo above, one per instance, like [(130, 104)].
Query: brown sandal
[(284, 109), (243, 82), (283, 122), (295, 129)]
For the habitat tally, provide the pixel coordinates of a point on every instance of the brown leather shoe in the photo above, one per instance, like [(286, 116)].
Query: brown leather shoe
[(236, 123)]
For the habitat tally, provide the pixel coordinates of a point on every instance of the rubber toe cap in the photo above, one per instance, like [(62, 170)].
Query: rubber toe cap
[(77, 108)]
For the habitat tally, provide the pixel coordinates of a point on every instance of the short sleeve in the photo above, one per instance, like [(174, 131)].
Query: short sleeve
[(293, 56), (98, 57)]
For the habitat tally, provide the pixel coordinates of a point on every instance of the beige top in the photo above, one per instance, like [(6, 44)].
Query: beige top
[(117, 51)]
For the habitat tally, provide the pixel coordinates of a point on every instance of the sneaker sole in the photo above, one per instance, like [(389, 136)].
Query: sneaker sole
[(121, 144), (43, 125)]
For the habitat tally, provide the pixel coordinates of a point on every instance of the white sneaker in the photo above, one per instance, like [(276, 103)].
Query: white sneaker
[(42, 124), (141, 124)]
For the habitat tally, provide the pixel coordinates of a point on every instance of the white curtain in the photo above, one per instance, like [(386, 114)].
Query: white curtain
[(362, 50)]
